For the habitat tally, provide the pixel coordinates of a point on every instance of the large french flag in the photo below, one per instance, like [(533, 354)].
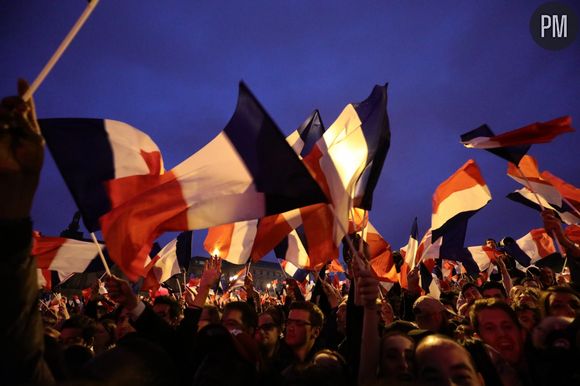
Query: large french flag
[(347, 160), (248, 171), (161, 267), (513, 145), (65, 256), (89, 152), (236, 242)]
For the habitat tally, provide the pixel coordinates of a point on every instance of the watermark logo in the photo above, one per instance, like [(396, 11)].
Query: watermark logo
[(554, 26)]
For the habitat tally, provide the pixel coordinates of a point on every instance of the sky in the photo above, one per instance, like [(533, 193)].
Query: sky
[(171, 69)]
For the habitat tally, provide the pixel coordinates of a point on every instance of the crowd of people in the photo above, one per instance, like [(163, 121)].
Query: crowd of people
[(514, 328)]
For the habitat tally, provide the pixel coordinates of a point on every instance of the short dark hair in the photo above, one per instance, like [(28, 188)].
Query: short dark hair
[(544, 300), (467, 286), (277, 315), (213, 312), (87, 325), (174, 307), (491, 304), (493, 285), (249, 318), (316, 315)]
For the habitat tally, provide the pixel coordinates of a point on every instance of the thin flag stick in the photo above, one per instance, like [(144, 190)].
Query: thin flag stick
[(347, 238), (103, 260), (60, 50), (529, 186), (571, 206)]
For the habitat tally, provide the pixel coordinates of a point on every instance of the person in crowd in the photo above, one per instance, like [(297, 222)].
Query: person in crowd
[(528, 316), (442, 361), (431, 314), (560, 301), (239, 315), (493, 289), (303, 327), (497, 325), (168, 309)]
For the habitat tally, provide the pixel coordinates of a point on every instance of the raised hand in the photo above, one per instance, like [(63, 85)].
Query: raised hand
[(21, 155), (211, 272), (120, 292)]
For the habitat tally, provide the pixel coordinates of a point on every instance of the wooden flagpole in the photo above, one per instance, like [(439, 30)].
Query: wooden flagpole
[(60, 50), (107, 270)]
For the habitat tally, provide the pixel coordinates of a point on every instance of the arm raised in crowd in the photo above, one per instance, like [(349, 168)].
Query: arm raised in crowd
[(21, 157), (367, 288)]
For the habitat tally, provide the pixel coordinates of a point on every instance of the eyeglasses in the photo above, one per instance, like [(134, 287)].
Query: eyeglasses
[(298, 323), (267, 326)]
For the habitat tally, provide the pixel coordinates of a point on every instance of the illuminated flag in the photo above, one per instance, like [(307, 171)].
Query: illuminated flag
[(256, 174)]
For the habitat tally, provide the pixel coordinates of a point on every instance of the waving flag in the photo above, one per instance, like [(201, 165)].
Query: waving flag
[(531, 248), (513, 145), (232, 242), (161, 267), (564, 212), (409, 253), (293, 271), (236, 242), (65, 256), (89, 152), (483, 256), (256, 174), (454, 202), (552, 192), (381, 256)]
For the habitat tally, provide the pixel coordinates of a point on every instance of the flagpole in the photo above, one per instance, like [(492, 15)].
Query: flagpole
[(571, 206), (61, 48), (553, 234), (103, 260)]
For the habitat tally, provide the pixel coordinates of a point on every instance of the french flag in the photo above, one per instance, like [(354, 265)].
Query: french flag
[(293, 271), (348, 159), (380, 256), (248, 171), (513, 145), (455, 200), (236, 242), (65, 256), (536, 244), (232, 242), (89, 152), (483, 256), (528, 169), (564, 212), (161, 267), (346, 162), (409, 252)]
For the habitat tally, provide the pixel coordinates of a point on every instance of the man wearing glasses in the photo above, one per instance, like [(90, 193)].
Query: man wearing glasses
[(303, 326)]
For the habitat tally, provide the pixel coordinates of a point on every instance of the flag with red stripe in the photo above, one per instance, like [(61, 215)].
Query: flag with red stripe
[(256, 174)]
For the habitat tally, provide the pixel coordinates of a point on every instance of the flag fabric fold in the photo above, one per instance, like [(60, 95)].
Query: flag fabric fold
[(248, 171), (89, 152), (65, 256), (161, 267), (513, 145)]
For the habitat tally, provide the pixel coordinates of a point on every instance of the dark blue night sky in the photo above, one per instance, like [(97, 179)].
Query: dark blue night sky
[(171, 69)]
